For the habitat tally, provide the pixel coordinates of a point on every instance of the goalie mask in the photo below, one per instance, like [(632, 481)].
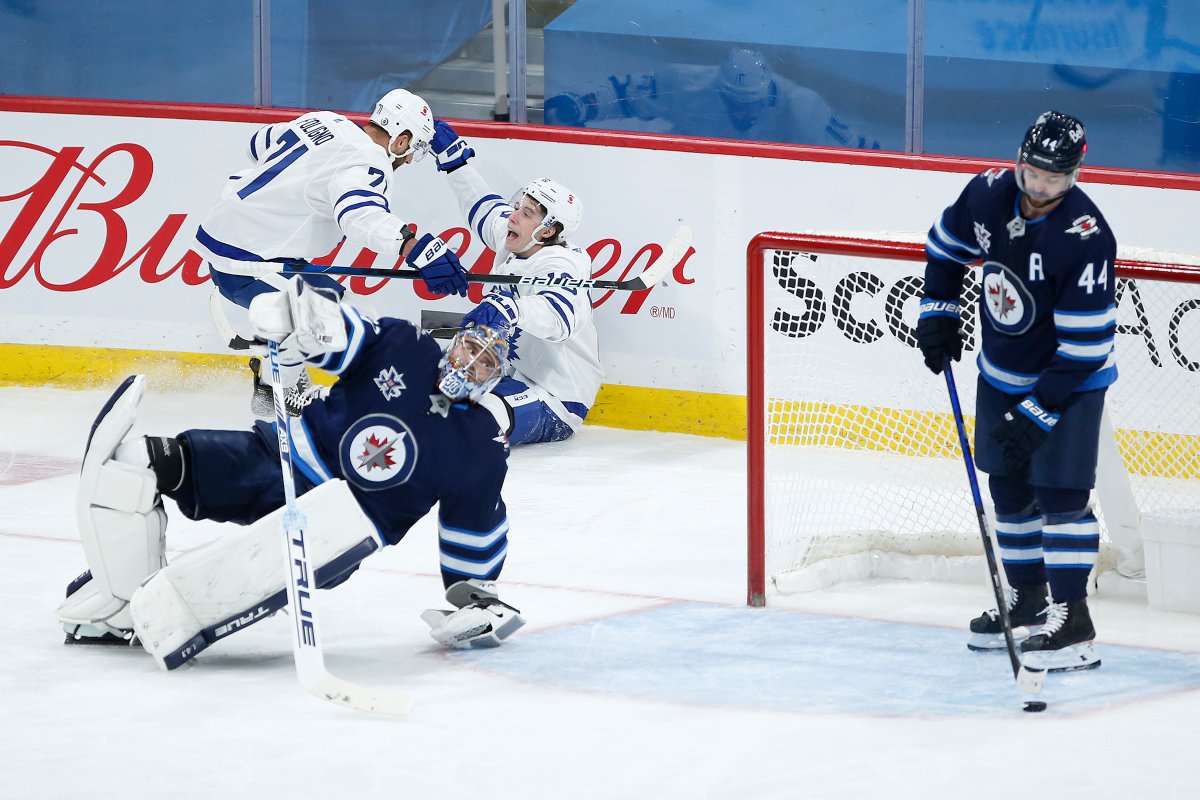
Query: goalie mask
[(746, 86), (474, 363), (562, 206), (1054, 143), (401, 111)]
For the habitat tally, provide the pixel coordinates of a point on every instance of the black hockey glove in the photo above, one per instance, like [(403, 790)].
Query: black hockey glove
[(1021, 431), (938, 333)]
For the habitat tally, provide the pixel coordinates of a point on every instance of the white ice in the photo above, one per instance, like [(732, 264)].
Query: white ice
[(640, 674)]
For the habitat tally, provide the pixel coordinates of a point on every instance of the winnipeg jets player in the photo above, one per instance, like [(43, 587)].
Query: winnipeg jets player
[(1048, 306), (314, 181), (555, 360), (388, 444)]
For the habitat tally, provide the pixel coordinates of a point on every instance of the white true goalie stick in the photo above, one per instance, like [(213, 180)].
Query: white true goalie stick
[(672, 255), (301, 588), (1029, 681)]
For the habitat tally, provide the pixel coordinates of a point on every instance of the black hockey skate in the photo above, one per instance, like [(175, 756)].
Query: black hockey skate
[(1064, 644), (1025, 605), (295, 399)]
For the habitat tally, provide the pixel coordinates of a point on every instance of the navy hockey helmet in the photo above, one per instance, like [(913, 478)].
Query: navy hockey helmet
[(1055, 142)]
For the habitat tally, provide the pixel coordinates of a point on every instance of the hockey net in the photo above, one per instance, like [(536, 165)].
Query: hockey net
[(854, 466)]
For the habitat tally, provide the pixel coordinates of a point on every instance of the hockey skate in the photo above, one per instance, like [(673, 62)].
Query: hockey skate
[(97, 631), (1064, 644), (1025, 604), (295, 398), (481, 620)]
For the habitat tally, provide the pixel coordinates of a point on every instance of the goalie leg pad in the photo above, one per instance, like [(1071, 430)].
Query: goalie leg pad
[(481, 620), (221, 587), (119, 514)]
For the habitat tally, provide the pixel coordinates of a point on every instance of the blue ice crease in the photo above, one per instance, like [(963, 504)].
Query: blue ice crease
[(781, 660)]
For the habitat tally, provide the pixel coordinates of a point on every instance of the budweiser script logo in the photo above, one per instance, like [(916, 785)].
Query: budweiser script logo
[(71, 216)]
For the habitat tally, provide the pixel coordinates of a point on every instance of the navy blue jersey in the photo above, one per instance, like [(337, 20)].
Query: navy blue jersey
[(1048, 296), (403, 449)]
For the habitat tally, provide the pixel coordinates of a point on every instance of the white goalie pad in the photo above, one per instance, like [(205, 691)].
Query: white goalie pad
[(121, 520), (216, 589)]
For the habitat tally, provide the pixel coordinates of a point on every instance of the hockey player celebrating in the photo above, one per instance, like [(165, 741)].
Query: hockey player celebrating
[(555, 360), (371, 460), (314, 181), (1049, 319)]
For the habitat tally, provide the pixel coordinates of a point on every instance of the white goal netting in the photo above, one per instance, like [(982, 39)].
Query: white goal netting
[(857, 454)]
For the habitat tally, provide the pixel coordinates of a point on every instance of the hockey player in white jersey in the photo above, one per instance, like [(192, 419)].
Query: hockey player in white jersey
[(554, 356), (315, 181)]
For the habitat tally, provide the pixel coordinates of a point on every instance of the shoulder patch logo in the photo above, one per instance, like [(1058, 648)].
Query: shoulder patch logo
[(994, 174), (983, 236), (1085, 226), (378, 452), (390, 383)]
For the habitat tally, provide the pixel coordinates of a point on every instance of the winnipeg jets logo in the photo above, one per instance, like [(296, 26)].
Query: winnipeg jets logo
[(983, 236), (390, 383), (378, 452), (1085, 226), (1010, 306)]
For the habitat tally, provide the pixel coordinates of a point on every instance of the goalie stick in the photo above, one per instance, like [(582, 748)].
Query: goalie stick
[(674, 252), (301, 588), (1029, 681)]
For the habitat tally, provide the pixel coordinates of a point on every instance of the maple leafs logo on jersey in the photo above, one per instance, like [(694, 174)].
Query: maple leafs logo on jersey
[(1085, 226), (376, 454), (983, 236), (390, 383)]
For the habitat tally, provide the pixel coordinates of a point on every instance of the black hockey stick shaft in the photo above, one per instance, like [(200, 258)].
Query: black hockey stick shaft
[(671, 255), (1026, 678)]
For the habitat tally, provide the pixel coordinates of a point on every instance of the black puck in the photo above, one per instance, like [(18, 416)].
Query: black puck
[(1035, 705)]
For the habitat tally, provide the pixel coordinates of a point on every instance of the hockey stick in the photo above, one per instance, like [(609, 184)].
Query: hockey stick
[(301, 587), (672, 255), (1029, 681)]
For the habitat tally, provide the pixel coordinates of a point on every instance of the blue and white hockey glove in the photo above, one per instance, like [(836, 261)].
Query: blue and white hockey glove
[(451, 151), (498, 310), (439, 267), (1021, 431), (938, 333)]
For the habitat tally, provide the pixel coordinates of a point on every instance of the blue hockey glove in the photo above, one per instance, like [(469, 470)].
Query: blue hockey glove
[(498, 310), (938, 333), (451, 151), (1021, 431), (439, 267)]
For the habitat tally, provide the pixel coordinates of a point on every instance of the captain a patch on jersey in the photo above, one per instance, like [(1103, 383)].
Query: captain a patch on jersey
[(1009, 304), (378, 452)]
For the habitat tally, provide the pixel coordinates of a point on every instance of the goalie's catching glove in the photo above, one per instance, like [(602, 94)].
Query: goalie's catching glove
[(305, 321)]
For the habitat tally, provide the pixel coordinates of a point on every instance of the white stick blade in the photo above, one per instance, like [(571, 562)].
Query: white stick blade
[(359, 698), (1031, 681), (672, 255)]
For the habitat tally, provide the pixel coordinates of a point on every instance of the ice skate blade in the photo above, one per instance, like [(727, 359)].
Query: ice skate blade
[(1072, 658)]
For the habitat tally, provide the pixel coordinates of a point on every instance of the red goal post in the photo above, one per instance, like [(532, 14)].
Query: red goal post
[(853, 464)]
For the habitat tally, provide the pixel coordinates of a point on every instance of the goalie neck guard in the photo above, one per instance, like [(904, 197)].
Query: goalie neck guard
[(474, 363)]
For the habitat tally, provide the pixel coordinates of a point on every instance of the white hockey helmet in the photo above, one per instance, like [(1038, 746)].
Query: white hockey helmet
[(744, 77), (474, 363), (562, 205), (401, 111)]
